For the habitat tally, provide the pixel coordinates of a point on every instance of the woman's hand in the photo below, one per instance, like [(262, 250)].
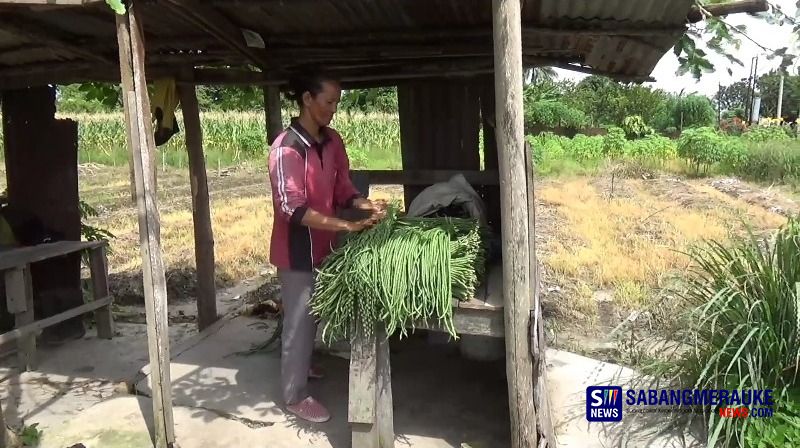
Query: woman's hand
[(366, 204)]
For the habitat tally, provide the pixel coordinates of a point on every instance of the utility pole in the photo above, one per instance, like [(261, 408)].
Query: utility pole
[(780, 98)]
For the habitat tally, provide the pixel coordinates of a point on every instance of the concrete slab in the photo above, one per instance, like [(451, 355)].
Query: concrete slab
[(126, 422), (568, 377), (441, 400), (76, 375)]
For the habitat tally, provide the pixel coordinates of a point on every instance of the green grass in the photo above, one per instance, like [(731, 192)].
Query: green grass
[(231, 138), (741, 330)]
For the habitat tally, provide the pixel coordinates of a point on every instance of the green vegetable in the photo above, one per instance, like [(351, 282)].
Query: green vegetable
[(402, 272)]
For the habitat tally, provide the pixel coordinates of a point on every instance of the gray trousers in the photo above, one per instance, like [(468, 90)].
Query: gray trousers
[(299, 331)]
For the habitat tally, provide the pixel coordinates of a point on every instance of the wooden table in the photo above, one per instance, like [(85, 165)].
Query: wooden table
[(15, 264), (370, 392)]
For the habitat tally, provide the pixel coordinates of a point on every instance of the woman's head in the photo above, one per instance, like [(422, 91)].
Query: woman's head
[(316, 93)]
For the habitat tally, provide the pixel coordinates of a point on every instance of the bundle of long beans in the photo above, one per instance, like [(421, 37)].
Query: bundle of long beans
[(402, 271)]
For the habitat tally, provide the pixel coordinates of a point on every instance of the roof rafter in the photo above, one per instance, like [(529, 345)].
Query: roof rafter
[(43, 36), (217, 25)]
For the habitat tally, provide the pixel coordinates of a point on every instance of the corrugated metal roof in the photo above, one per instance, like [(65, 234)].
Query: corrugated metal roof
[(604, 34)]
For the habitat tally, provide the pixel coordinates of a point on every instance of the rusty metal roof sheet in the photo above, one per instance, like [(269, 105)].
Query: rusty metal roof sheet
[(370, 38)]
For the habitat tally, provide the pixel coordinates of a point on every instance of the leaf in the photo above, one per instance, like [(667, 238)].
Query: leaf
[(117, 6)]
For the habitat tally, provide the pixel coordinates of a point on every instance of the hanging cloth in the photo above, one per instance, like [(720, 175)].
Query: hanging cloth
[(164, 102)]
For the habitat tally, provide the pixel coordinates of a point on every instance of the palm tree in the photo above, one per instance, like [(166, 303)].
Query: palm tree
[(533, 75)]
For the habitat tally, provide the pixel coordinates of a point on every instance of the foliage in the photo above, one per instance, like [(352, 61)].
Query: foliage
[(554, 114), (653, 146), (766, 133), (635, 127), (614, 142), (741, 327), (88, 232), (783, 429), (382, 99), (232, 137), (769, 84), (733, 126), (584, 148), (734, 96), (693, 111), (702, 147), (31, 435), (358, 159), (771, 162)]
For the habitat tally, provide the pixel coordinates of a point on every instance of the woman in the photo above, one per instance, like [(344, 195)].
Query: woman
[(310, 178)]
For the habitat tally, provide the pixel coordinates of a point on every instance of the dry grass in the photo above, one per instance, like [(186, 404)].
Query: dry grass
[(633, 242), (241, 237)]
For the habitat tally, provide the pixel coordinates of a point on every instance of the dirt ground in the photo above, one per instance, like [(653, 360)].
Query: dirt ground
[(609, 245)]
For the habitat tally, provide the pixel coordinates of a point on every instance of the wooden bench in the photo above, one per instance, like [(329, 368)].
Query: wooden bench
[(15, 264), (370, 411)]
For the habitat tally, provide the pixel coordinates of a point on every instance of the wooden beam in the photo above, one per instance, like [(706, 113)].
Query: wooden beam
[(140, 138), (40, 35), (514, 220), (272, 109), (50, 2), (592, 71), (201, 210), (217, 25), (426, 177), (724, 9), (34, 327)]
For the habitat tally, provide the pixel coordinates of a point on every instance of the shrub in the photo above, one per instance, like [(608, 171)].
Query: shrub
[(771, 162), (655, 147), (766, 134), (702, 147), (635, 127), (740, 329), (586, 148), (553, 114), (693, 111), (614, 142), (547, 146), (733, 126)]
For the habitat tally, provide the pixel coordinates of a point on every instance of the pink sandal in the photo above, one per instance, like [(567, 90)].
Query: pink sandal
[(310, 410)]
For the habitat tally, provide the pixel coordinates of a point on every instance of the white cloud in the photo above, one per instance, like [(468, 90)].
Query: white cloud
[(770, 36)]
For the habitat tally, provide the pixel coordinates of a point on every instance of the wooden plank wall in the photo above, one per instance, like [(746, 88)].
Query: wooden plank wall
[(439, 124), (41, 156)]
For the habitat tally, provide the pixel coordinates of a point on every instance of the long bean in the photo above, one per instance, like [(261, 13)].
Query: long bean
[(401, 272)]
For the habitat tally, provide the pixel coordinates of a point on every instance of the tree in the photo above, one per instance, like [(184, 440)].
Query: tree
[(719, 37), (768, 86), (734, 96)]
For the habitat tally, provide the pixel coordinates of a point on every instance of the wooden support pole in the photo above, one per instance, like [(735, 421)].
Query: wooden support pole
[(517, 284), (19, 296), (140, 139), (201, 209), (272, 106), (98, 265)]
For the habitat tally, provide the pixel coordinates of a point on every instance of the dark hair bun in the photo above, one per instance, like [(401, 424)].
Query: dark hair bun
[(307, 78)]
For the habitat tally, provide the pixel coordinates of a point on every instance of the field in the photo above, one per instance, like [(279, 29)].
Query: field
[(607, 251), (611, 235)]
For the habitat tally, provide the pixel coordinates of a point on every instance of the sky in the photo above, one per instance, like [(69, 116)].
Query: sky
[(770, 36)]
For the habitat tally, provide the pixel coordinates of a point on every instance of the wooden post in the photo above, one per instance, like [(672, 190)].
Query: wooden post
[(98, 265), (201, 209), (517, 284), (140, 139), (272, 106), (370, 412), (19, 297)]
